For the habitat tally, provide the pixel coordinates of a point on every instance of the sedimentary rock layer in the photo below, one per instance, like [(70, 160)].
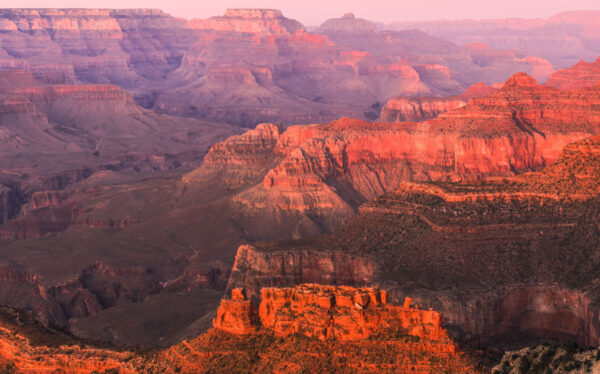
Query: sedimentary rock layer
[(504, 259), (583, 74), (411, 109)]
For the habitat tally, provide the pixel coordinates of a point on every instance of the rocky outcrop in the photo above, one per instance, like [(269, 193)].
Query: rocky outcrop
[(336, 167), (326, 313), (583, 74), (237, 315)]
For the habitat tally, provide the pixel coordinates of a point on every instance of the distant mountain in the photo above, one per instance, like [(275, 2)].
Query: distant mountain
[(562, 39), (583, 74)]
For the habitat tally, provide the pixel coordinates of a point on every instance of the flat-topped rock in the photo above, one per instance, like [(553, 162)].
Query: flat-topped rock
[(326, 312), (253, 13)]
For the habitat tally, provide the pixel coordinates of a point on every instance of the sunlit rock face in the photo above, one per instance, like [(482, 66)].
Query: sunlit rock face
[(504, 259), (583, 74), (325, 312)]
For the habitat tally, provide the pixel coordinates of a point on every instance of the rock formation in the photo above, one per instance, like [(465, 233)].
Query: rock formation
[(253, 21), (402, 339), (582, 74), (325, 313), (320, 328), (412, 109), (317, 77), (336, 167), (247, 66), (347, 24), (504, 259), (562, 39), (268, 184)]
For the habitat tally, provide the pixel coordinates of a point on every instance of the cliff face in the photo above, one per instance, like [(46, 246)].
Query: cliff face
[(261, 269), (412, 109), (317, 77), (504, 259), (125, 47), (583, 74), (325, 313), (336, 167), (249, 65)]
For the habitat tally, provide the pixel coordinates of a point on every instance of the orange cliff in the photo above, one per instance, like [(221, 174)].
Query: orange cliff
[(309, 328), (479, 235), (329, 170), (316, 328), (326, 312)]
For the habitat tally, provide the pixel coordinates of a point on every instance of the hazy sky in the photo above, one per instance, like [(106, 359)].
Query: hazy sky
[(314, 12)]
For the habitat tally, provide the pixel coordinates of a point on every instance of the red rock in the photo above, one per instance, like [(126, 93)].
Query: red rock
[(237, 315), (481, 236), (581, 75), (28, 348), (325, 312)]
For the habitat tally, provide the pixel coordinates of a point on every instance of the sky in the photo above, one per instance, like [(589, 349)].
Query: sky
[(314, 12)]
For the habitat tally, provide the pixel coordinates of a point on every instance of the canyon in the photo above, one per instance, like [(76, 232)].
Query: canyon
[(246, 193), (563, 39), (175, 238), (55, 135), (503, 259), (247, 66)]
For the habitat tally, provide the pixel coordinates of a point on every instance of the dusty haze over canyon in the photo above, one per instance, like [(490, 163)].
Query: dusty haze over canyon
[(276, 190)]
